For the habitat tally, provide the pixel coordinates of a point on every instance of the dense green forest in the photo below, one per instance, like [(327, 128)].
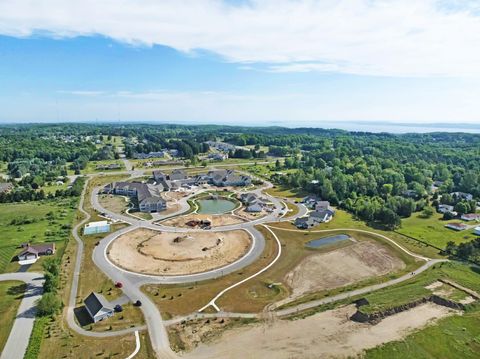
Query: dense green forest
[(379, 177)]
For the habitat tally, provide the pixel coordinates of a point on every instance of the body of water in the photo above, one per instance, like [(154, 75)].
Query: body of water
[(317, 243), (215, 206)]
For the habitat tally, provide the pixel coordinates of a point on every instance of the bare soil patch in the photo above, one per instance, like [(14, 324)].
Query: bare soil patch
[(341, 267), (328, 334), (216, 220), (249, 216), (161, 253)]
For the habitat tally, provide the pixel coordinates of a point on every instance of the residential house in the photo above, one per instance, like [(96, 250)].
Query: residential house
[(223, 178), (477, 231), (142, 156), (254, 208), (218, 156), (148, 199), (98, 307), (159, 176), (442, 208), (314, 218), (457, 226), (248, 198), (462, 195), (470, 217), (178, 174), (33, 251)]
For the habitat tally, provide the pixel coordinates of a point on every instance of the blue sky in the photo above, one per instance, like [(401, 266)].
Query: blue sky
[(300, 62)]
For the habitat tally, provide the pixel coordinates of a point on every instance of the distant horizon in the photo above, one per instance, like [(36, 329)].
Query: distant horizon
[(350, 126)]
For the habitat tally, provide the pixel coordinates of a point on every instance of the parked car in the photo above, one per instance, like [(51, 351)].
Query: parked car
[(119, 285), (118, 308)]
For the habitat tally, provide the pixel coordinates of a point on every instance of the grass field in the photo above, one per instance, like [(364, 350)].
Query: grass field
[(282, 192), (343, 219), (11, 294), (415, 288), (57, 340), (451, 338), (432, 230), (34, 222), (91, 166)]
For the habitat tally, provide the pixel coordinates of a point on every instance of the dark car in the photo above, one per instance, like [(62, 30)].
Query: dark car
[(118, 308), (119, 285), (138, 303)]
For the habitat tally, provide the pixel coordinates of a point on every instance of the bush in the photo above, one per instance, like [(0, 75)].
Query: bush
[(49, 304)]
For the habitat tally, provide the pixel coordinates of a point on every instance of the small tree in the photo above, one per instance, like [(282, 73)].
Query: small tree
[(49, 304)]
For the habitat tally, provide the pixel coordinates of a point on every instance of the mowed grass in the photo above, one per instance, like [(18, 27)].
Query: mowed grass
[(433, 231), (11, 294), (37, 222), (283, 192), (450, 338), (345, 220)]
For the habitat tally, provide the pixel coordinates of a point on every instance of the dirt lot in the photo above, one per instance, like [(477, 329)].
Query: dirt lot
[(324, 335), (154, 252), (341, 267), (249, 216), (216, 220)]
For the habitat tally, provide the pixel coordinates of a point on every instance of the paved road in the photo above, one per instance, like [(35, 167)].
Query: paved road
[(133, 281), (157, 332), (17, 341)]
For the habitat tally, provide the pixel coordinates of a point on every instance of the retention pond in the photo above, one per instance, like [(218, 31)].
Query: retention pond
[(215, 205), (317, 243)]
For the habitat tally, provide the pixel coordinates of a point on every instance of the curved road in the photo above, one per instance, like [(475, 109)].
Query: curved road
[(17, 341), (133, 281)]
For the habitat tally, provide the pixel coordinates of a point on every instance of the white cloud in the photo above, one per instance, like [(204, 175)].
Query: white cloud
[(367, 37)]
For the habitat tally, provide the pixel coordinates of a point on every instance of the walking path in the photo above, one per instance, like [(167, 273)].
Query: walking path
[(133, 281), (17, 341)]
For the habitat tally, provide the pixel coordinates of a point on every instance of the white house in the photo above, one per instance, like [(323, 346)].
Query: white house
[(98, 307), (477, 231), (443, 208)]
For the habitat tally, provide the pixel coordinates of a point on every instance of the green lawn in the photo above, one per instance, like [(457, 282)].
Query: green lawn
[(432, 230), (91, 166), (11, 294), (415, 288), (451, 338), (34, 222)]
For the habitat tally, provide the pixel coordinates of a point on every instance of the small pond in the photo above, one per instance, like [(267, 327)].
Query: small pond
[(215, 205), (317, 243)]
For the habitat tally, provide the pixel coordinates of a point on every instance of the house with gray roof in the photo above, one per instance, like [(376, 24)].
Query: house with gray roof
[(98, 307)]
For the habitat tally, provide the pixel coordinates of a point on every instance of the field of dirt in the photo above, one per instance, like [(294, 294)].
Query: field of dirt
[(161, 253), (216, 220), (249, 216), (341, 267), (328, 334)]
